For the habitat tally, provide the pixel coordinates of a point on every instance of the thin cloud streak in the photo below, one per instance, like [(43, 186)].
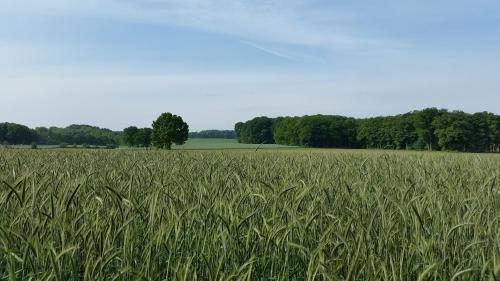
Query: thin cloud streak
[(251, 20)]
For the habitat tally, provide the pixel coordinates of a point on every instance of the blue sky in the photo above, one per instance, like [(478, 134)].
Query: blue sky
[(115, 63)]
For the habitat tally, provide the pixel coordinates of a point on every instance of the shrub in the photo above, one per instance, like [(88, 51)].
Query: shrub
[(111, 146)]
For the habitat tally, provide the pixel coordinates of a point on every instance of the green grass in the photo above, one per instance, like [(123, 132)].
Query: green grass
[(200, 144), (191, 144), (245, 215)]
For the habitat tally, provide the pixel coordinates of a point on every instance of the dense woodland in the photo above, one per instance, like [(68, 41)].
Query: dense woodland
[(431, 128), (11, 133)]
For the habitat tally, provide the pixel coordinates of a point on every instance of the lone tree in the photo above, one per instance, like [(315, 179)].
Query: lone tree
[(168, 129)]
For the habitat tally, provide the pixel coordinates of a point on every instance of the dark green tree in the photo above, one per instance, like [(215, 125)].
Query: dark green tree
[(286, 130), (213, 134), (423, 122), (143, 137), (169, 129), (483, 126), (237, 131), (258, 130), (13, 133), (3, 132), (454, 131), (129, 135)]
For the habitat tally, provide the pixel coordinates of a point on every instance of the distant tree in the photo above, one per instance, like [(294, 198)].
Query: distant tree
[(213, 134), (423, 122), (42, 135), (454, 131), (496, 135), (258, 130), (143, 137), (80, 134), (483, 126), (169, 129), (327, 131), (286, 130), (237, 130), (3, 132), (129, 135), (16, 134)]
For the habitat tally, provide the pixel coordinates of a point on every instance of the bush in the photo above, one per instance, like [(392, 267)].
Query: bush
[(111, 146), (34, 145), (63, 145)]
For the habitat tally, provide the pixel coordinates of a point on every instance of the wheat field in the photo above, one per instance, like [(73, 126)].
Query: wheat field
[(248, 215)]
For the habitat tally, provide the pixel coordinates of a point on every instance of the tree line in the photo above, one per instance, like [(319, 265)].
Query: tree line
[(431, 129), (12, 133), (168, 129), (213, 134)]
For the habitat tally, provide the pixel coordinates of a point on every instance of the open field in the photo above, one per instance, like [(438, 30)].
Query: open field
[(191, 144), (200, 144), (244, 215)]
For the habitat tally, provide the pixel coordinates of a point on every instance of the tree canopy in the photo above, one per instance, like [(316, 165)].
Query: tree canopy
[(258, 130), (133, 136), (12, 133), (431, 128), (169, 129), (77, 135), (213, 134)]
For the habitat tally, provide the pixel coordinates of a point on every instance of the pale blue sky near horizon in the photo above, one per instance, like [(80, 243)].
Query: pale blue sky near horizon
[(115, 63)]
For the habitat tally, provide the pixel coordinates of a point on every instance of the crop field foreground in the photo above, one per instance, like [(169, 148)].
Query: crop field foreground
[(248, 215)]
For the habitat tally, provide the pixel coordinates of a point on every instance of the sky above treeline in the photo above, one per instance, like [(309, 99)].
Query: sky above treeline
[(115, 63)]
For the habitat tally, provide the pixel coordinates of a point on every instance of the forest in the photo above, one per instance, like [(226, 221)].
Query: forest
[(430, 128), (11, 133)]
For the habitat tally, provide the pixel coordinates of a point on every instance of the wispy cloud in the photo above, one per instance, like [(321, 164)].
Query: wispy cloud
[(270, 51), (337, 67), (274, 21)]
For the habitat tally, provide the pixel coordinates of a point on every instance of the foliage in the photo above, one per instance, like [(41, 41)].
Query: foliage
[(133, 136), (213, 134), (143, 137), (129, 135), (143, 215), (431, 128), (257, 130), (12, 133), (327, 131), (169, 129), (77, 134)]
